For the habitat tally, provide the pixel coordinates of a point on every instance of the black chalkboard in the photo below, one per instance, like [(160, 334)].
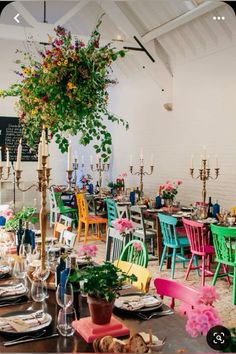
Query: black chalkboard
[(10, 134)]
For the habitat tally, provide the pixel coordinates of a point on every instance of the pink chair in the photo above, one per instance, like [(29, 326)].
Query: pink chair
[(198, 237), (170, 288)]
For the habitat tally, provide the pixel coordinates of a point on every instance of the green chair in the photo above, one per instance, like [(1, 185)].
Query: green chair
[(129, 254), (112, 212), (65, 210), (224, 239), (172, 240)]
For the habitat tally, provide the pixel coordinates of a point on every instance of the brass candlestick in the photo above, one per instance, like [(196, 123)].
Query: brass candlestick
[(141, 173), (8, 169), (42, 185), (204, 176), (100, 167)]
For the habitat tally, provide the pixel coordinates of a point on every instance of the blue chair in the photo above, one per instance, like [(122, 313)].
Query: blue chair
[(112, 212), (172, 240)]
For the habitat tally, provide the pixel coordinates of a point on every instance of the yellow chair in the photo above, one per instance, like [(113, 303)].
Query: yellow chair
[(87, 220), (143, 274), (233, 210)]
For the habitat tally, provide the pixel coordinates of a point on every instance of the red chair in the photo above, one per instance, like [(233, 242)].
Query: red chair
[(198, 237), (170, 288)]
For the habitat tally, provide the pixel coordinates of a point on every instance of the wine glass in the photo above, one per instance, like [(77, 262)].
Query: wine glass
[(64, 295), (65, 319), (38, 291), (20, 268), (25, 250)]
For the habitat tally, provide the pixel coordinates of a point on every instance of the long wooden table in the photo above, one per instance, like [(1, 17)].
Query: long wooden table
[(172, 327)]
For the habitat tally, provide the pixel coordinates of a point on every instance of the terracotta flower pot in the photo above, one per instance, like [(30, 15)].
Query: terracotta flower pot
[(100, 310)]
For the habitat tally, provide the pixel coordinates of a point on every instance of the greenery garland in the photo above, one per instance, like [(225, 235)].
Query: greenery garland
[(66, 91)]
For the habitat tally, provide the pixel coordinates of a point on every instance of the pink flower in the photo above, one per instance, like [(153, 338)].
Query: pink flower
[(8, 214), (123, 225), (137, 246), (87, 251), (208, 295)]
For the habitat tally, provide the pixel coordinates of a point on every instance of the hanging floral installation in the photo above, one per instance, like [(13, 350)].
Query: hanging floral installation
[(66, 91)]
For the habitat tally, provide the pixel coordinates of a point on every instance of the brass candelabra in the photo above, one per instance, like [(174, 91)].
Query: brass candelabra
[(204, 175), (8, 169), (100, 168), (41, 185), (141, 173)]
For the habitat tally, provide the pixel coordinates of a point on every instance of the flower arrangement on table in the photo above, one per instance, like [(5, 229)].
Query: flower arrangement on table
[(66, 90), (25, 214), (203, 316), (123, 226), (85, 180), (169, 190), (7, 214), (87, 252)]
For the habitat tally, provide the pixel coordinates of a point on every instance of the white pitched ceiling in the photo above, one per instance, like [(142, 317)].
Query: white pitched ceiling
[(171, 30)]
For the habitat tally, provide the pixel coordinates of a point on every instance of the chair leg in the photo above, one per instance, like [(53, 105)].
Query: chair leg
[(189, 267), (182, 254), (203, 270), (225, 270), (216, 273), (173, 263), (79, 229), (195, 263), (234, 287), (162, 258), (86, 229)]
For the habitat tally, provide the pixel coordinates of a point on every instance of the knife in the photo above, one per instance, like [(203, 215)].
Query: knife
[(8, 344)]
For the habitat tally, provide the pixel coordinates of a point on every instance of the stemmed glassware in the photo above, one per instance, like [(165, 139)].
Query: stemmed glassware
[(67, 314)]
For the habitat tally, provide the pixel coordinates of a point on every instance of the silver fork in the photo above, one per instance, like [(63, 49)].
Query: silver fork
[(162, 313), (26, 337)]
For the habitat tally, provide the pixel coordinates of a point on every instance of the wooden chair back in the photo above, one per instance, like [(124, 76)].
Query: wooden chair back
[(59, 229), (224, 239), (129, 254), (112, 213), (175, 290), (82, 207), (197, 235), (168, 230), (68, 238), (114, 244), (66, 220), (142, 273)]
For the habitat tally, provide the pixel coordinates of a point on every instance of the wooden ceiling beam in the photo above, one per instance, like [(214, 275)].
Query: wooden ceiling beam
[(181, 20)]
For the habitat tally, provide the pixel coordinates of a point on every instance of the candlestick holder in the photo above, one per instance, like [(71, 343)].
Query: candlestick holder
[(204, 176), (42, 185), (8, 169), (100, 168), (141, 173)]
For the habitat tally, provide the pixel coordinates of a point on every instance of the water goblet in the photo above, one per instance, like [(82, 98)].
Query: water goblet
[(38, 291), (65, 319), (25, 250), (64, 295)]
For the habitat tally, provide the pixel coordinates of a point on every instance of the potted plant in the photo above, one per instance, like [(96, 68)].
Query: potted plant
[(101, 284), (25, 214)]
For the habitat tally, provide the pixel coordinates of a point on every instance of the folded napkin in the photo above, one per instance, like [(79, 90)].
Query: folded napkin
[(12, 290), (22, 323), (136, 302)]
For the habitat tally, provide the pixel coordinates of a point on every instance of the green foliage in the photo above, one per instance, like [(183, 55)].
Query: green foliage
[(25, 214), (103, 281), (115, 185), (66, 90)]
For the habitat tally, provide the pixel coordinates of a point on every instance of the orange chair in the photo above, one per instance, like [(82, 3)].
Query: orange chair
[(59, 229), (87, 220)]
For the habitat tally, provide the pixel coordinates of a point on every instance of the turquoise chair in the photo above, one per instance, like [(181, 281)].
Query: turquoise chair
[(172, 240), (129, 254), (112, 212)]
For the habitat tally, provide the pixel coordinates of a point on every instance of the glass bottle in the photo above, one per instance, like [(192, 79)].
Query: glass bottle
[(59, 268), (72, 279), (210, 208), (19, 235)]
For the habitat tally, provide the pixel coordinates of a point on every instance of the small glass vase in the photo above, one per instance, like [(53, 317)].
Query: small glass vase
[(169, 205)]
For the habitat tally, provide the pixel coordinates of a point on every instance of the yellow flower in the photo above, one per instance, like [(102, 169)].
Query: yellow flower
[(70, 85), (34, 111), (65, 62), (59, 63), (26, 71), (32, 70), (45, 71)]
